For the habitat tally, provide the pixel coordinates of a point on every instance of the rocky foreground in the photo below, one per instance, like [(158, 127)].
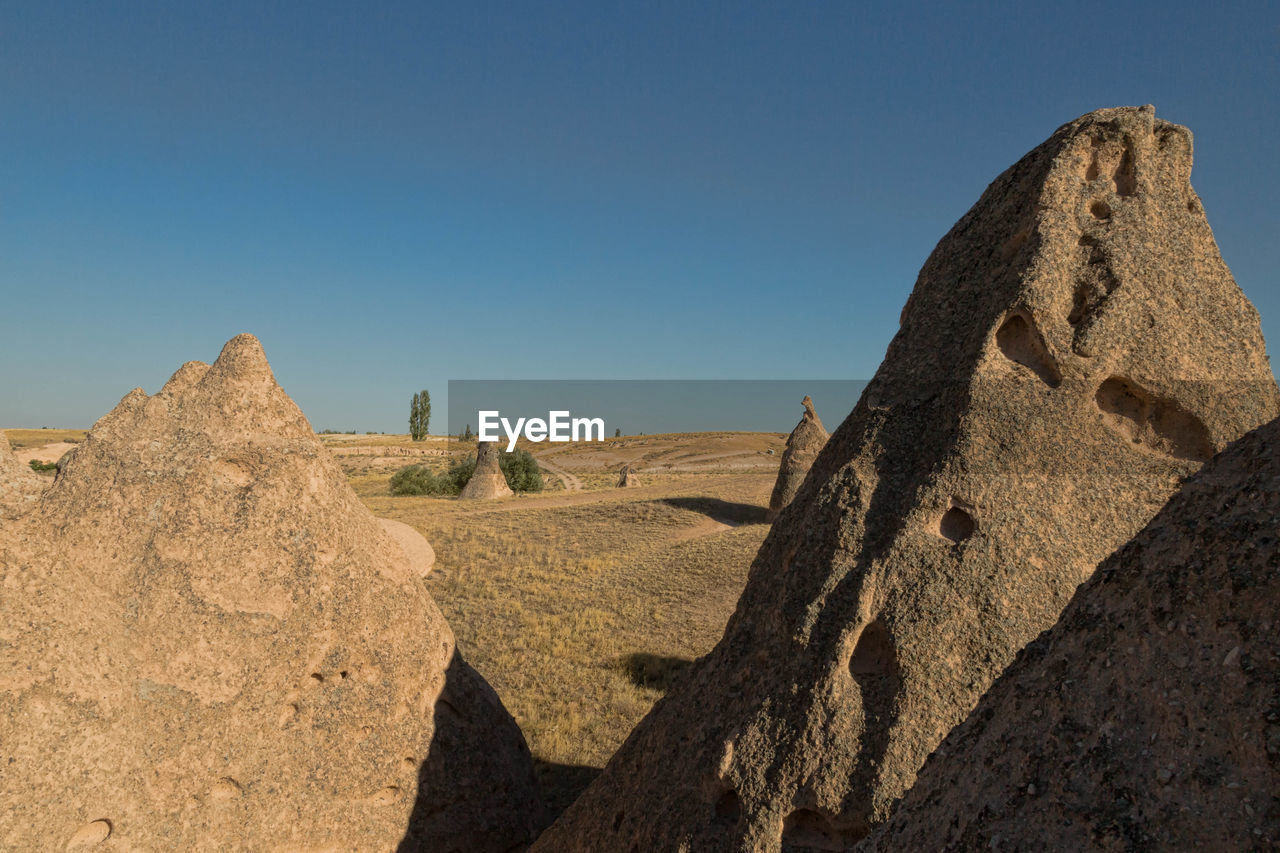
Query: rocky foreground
[(1009, 607), (1073, 349), (208, 643)]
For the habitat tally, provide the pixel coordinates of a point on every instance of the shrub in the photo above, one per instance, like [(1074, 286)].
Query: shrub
[(519, 468), (37, 465), (460, 472), (420, 480)]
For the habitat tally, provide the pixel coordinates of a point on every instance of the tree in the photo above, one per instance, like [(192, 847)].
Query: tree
[(617, 433), (419, 415)]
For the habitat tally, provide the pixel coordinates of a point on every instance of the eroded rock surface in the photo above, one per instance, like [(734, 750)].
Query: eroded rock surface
[(803, 446), (1072, 349), (208, 643), (1148, 717), (627, 477)]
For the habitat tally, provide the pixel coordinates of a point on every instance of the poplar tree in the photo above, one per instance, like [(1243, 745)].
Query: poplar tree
[(419, 415)]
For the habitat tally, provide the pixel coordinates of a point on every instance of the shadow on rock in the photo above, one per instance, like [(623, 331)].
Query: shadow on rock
[(477, 791), (562, 783)]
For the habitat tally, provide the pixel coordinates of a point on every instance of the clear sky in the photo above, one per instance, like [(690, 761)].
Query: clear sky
[(394, 195)]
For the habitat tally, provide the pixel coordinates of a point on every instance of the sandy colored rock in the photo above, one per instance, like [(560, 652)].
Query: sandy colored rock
[(208, 643), (803, 446), (1148, 718), (487, 482), (627, 477), (1072, 349), (416, 548), (19, 485)]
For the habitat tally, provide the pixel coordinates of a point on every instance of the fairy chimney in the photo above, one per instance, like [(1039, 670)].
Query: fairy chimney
[(803, 445), (209, 643), (487, 481), (1073, 349)]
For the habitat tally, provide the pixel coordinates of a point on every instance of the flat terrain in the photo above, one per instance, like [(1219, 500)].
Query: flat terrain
[(579, 606)]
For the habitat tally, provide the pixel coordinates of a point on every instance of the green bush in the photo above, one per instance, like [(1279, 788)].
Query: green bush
[(519, 468), (37, 465), (460, 472), (420, 480)]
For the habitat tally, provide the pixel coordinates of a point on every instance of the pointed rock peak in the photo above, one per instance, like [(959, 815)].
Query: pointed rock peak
[(185, 377), (242, 359), (807, 402), (204, 550), (937, 511)]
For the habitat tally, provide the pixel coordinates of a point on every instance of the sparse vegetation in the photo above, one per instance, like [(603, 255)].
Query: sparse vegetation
[(38, 466)]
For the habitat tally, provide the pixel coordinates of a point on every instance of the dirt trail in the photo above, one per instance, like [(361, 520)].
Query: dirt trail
[(571, 483)]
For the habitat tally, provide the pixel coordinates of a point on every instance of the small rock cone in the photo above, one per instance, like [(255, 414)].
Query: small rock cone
[(803, 446), (488, 481)]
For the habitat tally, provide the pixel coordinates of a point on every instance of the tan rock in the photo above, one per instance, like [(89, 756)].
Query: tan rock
[(627, 477), (417, 550), (1073, 348), (19, 485), (208, 643), (488, 481), (803, 446), (1148, 718)]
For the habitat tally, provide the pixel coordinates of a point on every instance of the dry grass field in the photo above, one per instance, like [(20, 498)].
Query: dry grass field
[(579, 607)]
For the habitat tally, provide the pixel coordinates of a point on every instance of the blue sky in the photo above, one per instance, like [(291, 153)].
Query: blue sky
[(394, 195)]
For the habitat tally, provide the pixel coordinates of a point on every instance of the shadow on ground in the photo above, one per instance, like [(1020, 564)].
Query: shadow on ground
[(725, 512), (656, 672), (561, 784)]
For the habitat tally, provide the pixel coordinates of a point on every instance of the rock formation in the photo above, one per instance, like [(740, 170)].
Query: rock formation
[(1148, 718), (488, 481), (627, 477), (19, 485), (803, 446), (1072, 349), (417, 550), (208, 643)]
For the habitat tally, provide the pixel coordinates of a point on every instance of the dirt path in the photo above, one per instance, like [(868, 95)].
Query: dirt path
[(693, 463), (571, 483)]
